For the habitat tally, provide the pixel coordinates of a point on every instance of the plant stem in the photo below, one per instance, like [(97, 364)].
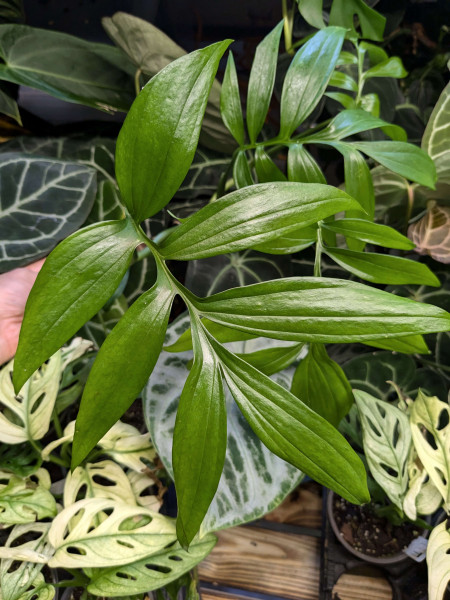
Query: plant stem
[(319, 248), (137, 81), (288, 16)]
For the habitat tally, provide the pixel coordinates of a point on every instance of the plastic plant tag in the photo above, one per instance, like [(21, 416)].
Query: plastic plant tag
[(417, 549)]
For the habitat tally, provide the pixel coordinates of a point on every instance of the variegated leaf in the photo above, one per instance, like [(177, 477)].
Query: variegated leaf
[(422, 497), (25, 499), (438, 561), (436, 136), (140, 484), (431, 233)]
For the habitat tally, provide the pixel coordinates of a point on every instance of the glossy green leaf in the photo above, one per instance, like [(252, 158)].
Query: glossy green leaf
[(371, 22), (8, 105), (371, 104), (321, 384), (438, 561), (387, 443), (343, 81), (347, 58), (199, 439), (272, 360), (402, 158), (202, 178), (351, 122), (230, 102), (410, 344), (435, 138), (377, 54), (383, 268), (219, 332), (308, 76), (42, 202), (289, 243), (241, 171), (261, 81), (292, 430), (302, 167), (392, 67), (100, 326), (251, 216), (321, 310), (66, 67), (358, 182), (108, 394), (373, 233), (77, 279), (311, 11), (344, 99), (266, 169), (162, 130)]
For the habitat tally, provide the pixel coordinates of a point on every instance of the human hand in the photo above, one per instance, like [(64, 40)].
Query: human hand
[(15, 287)]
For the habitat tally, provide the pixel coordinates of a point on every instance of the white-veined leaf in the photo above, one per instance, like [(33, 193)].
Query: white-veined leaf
[(438, 561), (25, 499), (422, 496), (140, 483)]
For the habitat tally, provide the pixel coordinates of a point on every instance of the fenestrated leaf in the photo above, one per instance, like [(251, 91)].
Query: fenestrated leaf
[(199, 439), (38, 590), (76, 280), (26, 416), (173, 103), (292, 430), (230, 102), (302, 167), (143, 485), (321, 384), (374, 233), (150, 573), (321, 310), (241, 171), (108, 394), (392, 67), (66, 67), (422, 496), (371, 22), (252, 216), (435, 138), (265, 168), (25, 499), (431, 234), (128, 533), (42, 202), (438, 561), (308, 76), (383, 268), (261, 81), (351, 122), (387, 443), (254, 480), (430, 418)]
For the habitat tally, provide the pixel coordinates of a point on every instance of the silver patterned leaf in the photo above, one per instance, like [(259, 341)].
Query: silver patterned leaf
[(254, 480)]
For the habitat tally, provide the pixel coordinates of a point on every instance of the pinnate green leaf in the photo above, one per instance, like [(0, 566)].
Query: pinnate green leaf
[(392, 67), (241, 171), (302, 167), (371, 22), (373, 233), (265, 168), (230, 102)]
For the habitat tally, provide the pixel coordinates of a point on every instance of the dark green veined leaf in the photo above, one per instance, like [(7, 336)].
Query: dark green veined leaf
[(272, 360), (344, 99), (321, 384), (383, 268), (151, 573), (241, 171), (392, 67), (292, 430), (402, 158), (66, 67), (202, 178), (289, 243), (318, 310), (308, 77), (42, 202), (108, 394), (302, 167), (261, 82), (251, 216), (230, 102), (343, 81), (11, 11), (266, 169), (373, 233), (162, 130), (77, 279), (351, 122), (371, 22), (219, 332), (435, 138), (199, 439), (8, 105)]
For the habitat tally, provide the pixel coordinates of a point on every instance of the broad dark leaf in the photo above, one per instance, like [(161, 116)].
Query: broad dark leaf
[(253, 215), (11, 11), (42, 202), (77, 279), (157, 142), (230, 102), (108, 393)]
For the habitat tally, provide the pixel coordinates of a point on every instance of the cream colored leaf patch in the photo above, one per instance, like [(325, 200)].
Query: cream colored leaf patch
[(25, 499), (140, 484), (432, 233), (422, 497), (438, 561)]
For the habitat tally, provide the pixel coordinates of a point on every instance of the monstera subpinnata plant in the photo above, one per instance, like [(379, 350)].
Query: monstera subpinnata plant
[(100, 525), (154, 151), (407, 447)]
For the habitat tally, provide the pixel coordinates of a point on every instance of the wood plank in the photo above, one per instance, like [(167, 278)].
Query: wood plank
[(209, 594), (359, 587), (270, 562), (303, 507)]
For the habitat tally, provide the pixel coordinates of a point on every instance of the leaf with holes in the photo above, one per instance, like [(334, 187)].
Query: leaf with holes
[(430, 429), (422, 496), (43, 201), (141, 485), (151, 573), (125, 444), (387, 443), (27, 416), (438, 561), (24, 500), (128, 533)]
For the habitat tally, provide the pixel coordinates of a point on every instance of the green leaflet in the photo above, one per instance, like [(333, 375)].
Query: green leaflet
[(272, 360), (290, 242), (108, 394), (230, 102), (392, 67), (308, 76), (321, 310), (162, 130), (199, 439), (321, 384), (8, 105), (251, 216), (351, 122), (292, 430), (219, 332), (366, 231), (343, 81), (383, 268), (371, 22), (77, 279), (387, 443), (302, 167), (241, 171), (265, 168), (261, 82)]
